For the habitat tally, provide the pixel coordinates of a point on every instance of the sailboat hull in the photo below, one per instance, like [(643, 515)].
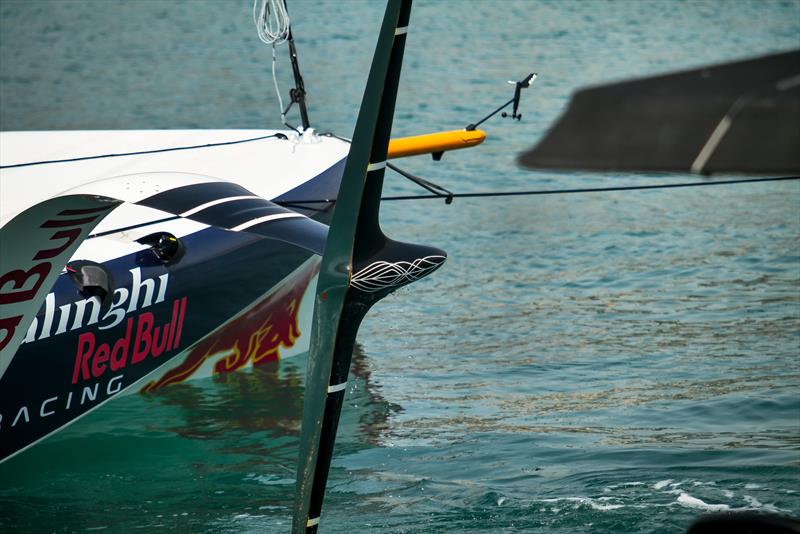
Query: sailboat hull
[(236, 292)]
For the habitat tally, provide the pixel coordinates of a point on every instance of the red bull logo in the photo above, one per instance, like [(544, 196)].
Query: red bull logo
[(92, 360), (253, 337)]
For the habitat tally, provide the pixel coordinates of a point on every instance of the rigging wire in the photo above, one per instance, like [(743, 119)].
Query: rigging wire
[(436, 190), (273, 28), (485, 194), (277, 135), (593, 189), (277, 89), (448, 196)]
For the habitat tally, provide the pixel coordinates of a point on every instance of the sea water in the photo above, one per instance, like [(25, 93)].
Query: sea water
[(611, 362)]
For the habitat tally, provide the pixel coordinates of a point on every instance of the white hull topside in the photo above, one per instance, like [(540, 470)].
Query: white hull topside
[(267, 167)]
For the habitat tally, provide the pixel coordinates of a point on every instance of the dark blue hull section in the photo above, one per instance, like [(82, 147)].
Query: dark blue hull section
[(78, 355)]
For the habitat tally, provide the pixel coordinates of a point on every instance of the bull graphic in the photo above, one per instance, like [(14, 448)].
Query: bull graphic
[(254, 336)]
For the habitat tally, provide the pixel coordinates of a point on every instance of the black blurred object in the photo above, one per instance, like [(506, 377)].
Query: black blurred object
[(93, 280), (744, 523), (165, 246), (740, 117)]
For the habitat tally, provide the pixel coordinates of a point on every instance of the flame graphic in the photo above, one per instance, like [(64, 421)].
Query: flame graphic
[(255, 335)]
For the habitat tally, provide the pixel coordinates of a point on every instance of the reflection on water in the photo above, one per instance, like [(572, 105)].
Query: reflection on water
[(263, 399), (267, 402), (227, 443)]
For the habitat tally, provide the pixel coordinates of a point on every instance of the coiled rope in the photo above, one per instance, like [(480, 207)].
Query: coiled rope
[(272, 21)]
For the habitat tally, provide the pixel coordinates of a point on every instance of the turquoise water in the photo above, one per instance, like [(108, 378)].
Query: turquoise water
[(617, 362)]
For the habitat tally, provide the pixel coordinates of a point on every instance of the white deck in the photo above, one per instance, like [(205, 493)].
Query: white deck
[(267, 167)]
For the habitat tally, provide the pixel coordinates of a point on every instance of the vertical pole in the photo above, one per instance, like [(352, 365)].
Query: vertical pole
[(298, 93)]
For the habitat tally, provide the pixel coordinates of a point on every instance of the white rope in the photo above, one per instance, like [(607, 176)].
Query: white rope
[(272, 21), (272, 25), (277, 89)]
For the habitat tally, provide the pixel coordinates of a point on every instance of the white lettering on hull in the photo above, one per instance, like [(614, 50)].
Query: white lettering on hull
[(148, 288), (50, 405)]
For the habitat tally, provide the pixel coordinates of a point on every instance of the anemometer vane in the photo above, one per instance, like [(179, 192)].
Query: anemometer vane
[(524, 83)]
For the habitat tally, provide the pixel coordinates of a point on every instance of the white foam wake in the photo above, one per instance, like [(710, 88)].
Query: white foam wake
[(693, 502), (596, 504)]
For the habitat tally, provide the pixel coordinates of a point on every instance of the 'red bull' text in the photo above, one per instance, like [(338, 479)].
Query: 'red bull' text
[(143, 339)]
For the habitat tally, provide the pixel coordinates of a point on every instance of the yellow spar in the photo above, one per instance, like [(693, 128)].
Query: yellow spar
[(434, 143)]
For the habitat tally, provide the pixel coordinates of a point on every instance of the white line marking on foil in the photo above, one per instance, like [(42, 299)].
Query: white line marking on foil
[(376, 166), (337, 387)]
